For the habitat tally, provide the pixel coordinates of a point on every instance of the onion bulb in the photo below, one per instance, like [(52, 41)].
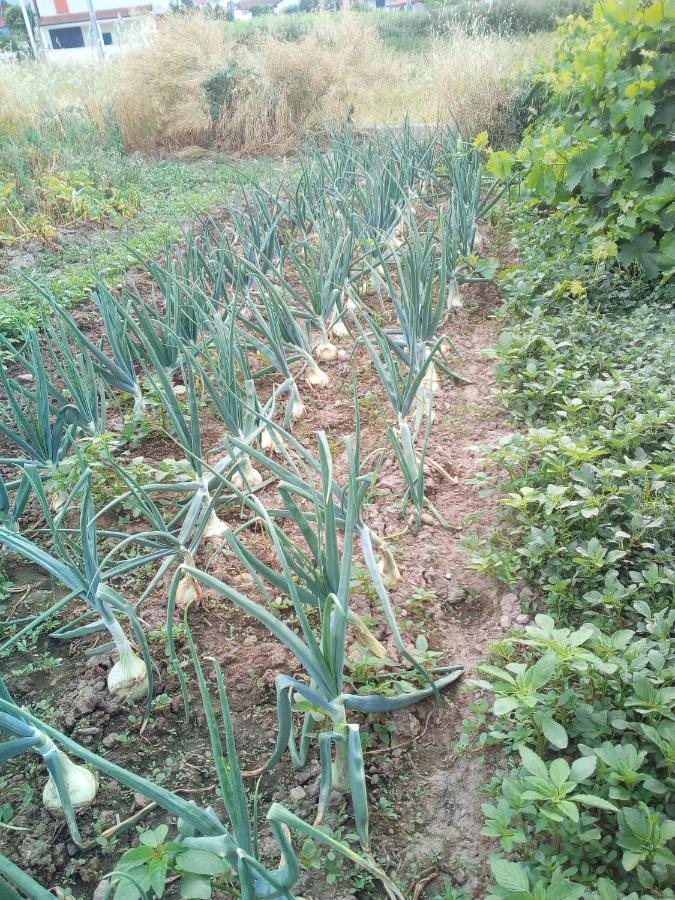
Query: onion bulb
[(339, 329), (325, 351), (297, 409), (128, 678), (215, 529), (270, 443), (187, 592), (266, 441), (391, 577), (316, 376), (455, 300), (247, 477), (80, 784)]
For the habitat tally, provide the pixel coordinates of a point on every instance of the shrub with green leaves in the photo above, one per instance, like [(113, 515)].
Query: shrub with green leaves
[(590, 493), (601, 151), (583, 698), (602, 700)]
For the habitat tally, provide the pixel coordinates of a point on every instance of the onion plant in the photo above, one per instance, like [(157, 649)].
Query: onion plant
[(84, 386), (117, 369), (37, 425), (232, 842), (187, 432), (322, 579), (402, 372), (226, 375), (265, 332), (162, 330), (280, 320), (412, 461), (323, 273), (257, 226), (77, 568), (211, 264), (79, 384), (70, 787)]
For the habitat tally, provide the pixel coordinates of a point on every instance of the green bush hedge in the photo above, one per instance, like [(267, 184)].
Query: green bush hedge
[(583, 698), (602, 151)]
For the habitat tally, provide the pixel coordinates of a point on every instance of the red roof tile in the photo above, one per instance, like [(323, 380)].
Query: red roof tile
[(73, 18)]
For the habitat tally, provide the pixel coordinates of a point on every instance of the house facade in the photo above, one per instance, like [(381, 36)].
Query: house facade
[(63, 25)]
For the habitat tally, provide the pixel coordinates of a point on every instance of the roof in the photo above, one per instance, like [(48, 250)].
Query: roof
[(72, 18)]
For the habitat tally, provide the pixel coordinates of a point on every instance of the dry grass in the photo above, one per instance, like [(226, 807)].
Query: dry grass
[(283, 91), (297, 88), (159, 96), (31, 91)]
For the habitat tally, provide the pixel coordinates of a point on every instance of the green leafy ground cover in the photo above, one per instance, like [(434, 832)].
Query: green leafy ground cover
[(582, 699)]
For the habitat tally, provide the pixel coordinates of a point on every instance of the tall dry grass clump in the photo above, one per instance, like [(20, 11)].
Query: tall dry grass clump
[(198, 85), (473, 78), (297, 88), (159, 98)]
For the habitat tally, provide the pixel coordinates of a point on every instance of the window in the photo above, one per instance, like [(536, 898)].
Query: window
[(66, 38), (107, 38)]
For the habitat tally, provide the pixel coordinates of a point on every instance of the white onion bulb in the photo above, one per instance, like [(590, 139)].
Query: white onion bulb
[(297, 409), (325, 351), (266, 442), (80, 784), (215, 529), (316, 376), (455, 300), (128, 678), (247, 477), (339, 330)]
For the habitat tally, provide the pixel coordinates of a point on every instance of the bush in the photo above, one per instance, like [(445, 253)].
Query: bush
[(602, 149), (259, 90), (583, 697)]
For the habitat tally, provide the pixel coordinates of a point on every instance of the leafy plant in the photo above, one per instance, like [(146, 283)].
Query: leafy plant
[(601, 149)]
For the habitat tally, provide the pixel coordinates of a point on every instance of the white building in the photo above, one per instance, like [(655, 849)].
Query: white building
[(66, 25)]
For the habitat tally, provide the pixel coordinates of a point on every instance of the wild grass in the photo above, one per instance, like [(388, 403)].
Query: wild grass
[(199, 85), (159, 97)]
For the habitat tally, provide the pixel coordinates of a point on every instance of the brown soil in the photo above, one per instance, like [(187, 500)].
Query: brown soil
[(425, 797)]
